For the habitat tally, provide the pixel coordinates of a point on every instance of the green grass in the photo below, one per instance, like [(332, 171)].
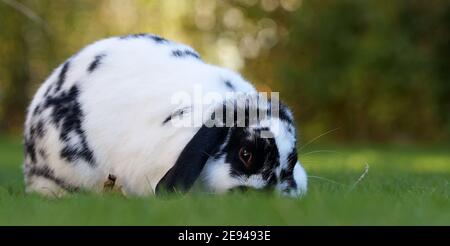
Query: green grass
[(404, 186)]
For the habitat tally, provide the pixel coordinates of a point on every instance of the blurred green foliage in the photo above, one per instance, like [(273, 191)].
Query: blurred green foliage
[(376, 70)]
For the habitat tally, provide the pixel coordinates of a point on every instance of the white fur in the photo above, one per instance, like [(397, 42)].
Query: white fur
[(301, 180), (216, 176)]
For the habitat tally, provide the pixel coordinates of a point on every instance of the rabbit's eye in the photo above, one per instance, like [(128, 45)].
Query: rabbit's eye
[(246, 156)]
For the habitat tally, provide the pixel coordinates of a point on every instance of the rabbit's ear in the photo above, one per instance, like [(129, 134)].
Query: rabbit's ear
[(192, 159)]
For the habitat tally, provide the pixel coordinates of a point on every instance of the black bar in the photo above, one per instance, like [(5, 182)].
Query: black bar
[(227, 234)]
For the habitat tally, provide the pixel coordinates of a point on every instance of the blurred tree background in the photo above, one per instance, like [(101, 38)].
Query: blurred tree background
[(376, 70)]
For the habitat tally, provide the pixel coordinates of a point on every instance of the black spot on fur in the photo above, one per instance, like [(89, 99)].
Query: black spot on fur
[(229, 85), (71, 153), (37, 110), (158, 39), (43, 154), (287, 176), (167, 119), (177, 53), (153, 37), (68, 116), (62, 76), (64, 106), (185, 53), (284, 114), (48, 173), (36, 131), (95, 62), (39, 128), (47, 92), (292, 158), (177, 113), (284, 174), (30, 149)]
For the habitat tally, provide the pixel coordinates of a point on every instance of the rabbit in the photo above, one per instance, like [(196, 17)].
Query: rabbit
[(121, 108)]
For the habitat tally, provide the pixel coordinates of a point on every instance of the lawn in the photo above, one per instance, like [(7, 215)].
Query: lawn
[(402, 186)]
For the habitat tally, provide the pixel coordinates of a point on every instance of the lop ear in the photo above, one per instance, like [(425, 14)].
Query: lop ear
[(192, 159)]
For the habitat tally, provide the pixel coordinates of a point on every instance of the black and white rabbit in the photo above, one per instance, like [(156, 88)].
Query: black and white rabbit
[(123, 107)]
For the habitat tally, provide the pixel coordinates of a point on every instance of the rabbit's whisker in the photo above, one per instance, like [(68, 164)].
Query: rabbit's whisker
[(321, 151), (316, 138)]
